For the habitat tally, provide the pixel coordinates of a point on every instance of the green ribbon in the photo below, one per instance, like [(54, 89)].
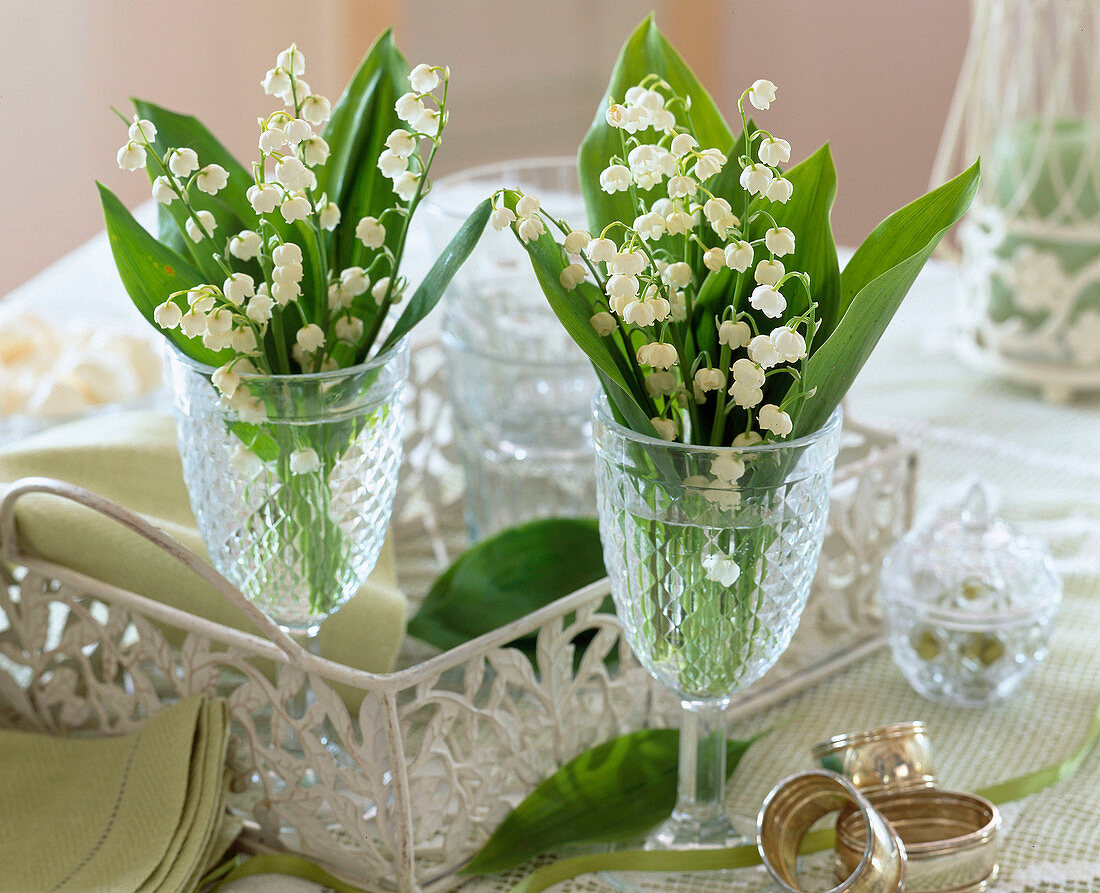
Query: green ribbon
[(644, 860)]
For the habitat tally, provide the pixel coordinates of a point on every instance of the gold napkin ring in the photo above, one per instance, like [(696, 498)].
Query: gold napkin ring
[(895, 756), (950, 838), (797, 802)]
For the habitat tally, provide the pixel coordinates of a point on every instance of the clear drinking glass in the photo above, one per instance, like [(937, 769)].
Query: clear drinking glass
[(519, 386), (710, 552), (293, 498)]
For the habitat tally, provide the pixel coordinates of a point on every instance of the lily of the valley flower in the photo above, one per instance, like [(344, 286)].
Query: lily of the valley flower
[(762, 94), (768, 301), (772, 418)]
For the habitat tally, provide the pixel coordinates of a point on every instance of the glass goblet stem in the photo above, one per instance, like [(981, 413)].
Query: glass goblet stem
[(700, 817)]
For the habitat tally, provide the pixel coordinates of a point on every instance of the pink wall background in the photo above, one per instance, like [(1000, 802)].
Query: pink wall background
[(873, 77)]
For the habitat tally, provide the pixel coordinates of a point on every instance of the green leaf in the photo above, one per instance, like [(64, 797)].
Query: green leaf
[(230, 207), (507, 577), (439, 276), (645, 52), (151, 272), (361, 120), (872, 287), (615, 791), (574, 308)]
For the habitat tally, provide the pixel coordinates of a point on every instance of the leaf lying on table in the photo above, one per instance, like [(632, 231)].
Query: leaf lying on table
[(507, 577), (615, 791)]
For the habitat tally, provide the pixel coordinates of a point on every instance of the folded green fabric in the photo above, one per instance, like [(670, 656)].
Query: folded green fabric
[(140, 812), (132, 459)]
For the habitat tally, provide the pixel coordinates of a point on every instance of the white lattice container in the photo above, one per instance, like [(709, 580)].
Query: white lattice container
[(399, 793)]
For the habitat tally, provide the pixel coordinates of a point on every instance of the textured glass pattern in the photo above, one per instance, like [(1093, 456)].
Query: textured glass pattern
[(293, 505), (520, 387), (710, 568)]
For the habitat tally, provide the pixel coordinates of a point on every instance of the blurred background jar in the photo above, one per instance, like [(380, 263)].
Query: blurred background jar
[(1028, 102), (520, 389)]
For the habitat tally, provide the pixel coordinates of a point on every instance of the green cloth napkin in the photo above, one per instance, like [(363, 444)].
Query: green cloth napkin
[(140, 812), (132, 459)]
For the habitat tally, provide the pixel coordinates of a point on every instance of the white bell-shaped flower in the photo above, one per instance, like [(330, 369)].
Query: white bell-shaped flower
[(682, 143), (142, 130), (131, 156), (748, 373), (710, 163), (391, 164), (763, 352), (615, 178), (501, 217), (734, 334), (288, 254), (779, 190), (779, 241), (349, 328), (167, 315), (401, 143), (212, 179), (183, 161), (263, 197), (530, 228), (295, 207), (678, 223), (772, 418), (762, 94), (328, 214), (571, 276), (370, 232), (738, 255), (746, 395), (315, 151), (310, 338), (714, 259), (577, 241), (245, 244), (677, 275), (316, 109), (774, 151), (291, 59), (601, 250), (277, 83), (658, 355), (226, 380), (727, 467), (408, 107), (665, 428), (293, 174), (527, 206), (678, 187), (405, 185), (789, 344), (661, 384), (353, 281), (163, 191), (259, 308), (205, 221), (629, 263), (603, 323), (297, 130), (238, 287), (769, 272), (243, 340), (768, 301), (755, 178), (423, 78), (305, 461)]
